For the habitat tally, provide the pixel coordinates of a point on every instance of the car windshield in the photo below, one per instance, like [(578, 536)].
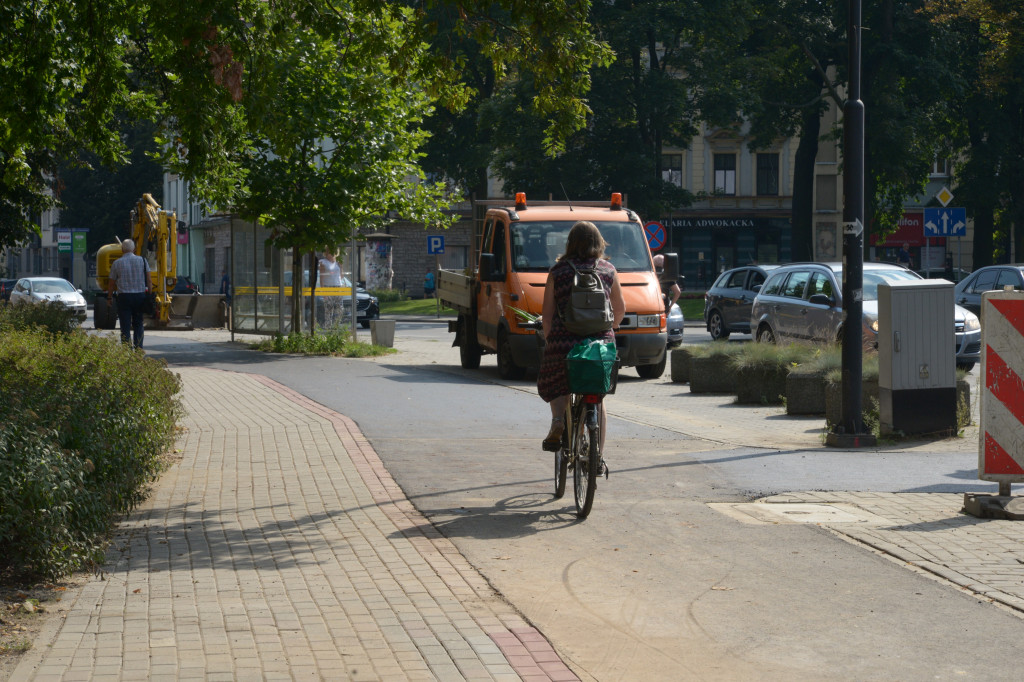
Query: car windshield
[(52, 286), (536, 245), (872, 278)]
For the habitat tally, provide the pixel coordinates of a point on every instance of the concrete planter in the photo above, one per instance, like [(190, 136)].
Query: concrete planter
[(712, 374), (680, 365), (382, 333), (805, 393), (834, 399), (761, 384)]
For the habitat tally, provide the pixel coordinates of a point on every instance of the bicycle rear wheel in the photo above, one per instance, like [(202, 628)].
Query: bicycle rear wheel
[(587, 456)]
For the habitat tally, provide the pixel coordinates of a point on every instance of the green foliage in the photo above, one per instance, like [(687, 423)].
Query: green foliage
[(333, 342), (716, 349), (389, 295), (869, 371), (51, 522), (104, 408), (51, 316), (823, 359), (770, 355)]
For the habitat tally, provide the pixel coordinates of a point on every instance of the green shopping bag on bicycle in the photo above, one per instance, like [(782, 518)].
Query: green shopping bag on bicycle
[(591, 367)]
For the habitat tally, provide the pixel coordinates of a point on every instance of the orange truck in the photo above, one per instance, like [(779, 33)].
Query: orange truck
[(517, 247)]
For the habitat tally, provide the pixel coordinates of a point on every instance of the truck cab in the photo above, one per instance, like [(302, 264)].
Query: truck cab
[(519, 244)]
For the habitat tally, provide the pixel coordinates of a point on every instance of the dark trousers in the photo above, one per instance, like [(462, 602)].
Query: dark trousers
[(129, 314)]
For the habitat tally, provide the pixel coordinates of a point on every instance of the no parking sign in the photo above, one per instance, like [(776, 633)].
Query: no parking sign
[(655, 233)]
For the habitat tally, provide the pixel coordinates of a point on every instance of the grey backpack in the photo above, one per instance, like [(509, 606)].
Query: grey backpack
[(588, 310)]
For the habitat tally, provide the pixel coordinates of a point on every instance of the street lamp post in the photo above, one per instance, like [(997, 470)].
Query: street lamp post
[(850, 431)]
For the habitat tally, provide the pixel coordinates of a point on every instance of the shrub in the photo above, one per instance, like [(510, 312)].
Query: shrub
[(770, 355), (50, 522), (52, 316), (389, 295), (332, 342), (869, 370), (716, 349), (109, 409)]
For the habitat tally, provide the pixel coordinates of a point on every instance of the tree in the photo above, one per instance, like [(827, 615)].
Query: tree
[(101, 197), (69, 68), (987, 44)]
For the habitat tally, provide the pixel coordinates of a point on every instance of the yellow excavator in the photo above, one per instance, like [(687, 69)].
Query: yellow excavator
[(154, 232)]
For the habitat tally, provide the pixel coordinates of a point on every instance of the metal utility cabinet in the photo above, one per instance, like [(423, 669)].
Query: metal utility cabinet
[(916, 357)]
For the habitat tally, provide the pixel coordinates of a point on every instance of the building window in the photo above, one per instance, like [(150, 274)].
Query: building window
[(767, 174), (725, 174), (940, 168), (455, 258), (826, 191), (672, 169)]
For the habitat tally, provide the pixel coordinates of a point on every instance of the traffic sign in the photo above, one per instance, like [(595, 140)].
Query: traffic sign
[(944, 196), (655, 233), (945, 222), (435, 244), (64, 241)]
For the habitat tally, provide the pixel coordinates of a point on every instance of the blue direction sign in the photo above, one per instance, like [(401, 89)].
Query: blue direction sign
[(655, 233), (435, 244), (945, 222)]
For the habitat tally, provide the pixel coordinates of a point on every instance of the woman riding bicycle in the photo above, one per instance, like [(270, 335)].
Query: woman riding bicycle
[(584, 248)]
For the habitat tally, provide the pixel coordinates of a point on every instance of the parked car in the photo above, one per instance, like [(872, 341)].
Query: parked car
[(6, 285), (727, 303), (803, 302), (185, 285), (993, 277), (31, 290), (675, 326)]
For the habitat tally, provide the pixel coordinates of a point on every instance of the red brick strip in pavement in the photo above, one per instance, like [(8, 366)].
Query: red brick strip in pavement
[(527, 650)]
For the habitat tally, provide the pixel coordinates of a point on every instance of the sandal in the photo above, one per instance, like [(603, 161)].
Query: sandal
[(554, 437)]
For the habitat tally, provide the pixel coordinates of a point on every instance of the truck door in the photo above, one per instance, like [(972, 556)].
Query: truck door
[(493, 289)]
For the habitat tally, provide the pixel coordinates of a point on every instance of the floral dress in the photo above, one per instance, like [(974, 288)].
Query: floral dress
[(552, 379)]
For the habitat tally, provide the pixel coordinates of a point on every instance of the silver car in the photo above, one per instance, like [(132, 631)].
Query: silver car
[(39, 289), (804, 302)]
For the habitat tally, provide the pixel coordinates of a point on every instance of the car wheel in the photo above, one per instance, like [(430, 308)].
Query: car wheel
[(765, 334), (965, 366), (716, 326), (365, 324)]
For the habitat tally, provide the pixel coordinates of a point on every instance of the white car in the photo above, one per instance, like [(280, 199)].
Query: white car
[(40, 289)]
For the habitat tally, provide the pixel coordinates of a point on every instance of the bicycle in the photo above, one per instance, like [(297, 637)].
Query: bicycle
[(581, 451), (581, 441)]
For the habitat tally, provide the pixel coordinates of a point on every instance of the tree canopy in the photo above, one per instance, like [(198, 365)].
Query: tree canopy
[(208, 73)]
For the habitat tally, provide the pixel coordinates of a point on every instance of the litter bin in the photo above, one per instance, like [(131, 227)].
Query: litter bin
[(382, 333)]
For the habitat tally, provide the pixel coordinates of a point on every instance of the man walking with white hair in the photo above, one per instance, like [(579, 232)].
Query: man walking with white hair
[(130, 274)]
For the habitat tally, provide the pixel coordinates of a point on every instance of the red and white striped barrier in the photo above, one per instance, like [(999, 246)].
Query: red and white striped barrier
[(1001, 437)]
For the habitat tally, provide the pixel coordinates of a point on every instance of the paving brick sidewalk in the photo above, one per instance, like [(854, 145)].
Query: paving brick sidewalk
[(279, 547)]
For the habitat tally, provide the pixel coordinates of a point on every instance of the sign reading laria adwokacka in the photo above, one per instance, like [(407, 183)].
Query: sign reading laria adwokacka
[(722, 222)]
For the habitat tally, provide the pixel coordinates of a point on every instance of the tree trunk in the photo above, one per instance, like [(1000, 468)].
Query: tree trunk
[(984, 227), (803, 187), (296, 290)]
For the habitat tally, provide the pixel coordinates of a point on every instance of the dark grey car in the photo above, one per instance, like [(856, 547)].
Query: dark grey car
[(727, 303), (993, 277)]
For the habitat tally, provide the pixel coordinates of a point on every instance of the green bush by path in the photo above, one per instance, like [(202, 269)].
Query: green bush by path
[(105, 408), (52, 316), (334, 342)]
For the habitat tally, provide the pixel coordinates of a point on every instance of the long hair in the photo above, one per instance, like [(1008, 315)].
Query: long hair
[(584, 242)]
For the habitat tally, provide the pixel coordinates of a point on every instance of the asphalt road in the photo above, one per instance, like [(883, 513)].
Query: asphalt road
[(656, 584)]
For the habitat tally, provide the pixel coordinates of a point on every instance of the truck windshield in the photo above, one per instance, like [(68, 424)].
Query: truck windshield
[(536, 245)]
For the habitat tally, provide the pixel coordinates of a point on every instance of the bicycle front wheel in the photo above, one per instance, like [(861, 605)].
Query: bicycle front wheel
[(586, 449)]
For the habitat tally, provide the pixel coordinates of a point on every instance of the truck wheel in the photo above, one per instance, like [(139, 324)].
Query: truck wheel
[(469, 349), (507, 367), (652, 371), (104, 315)]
